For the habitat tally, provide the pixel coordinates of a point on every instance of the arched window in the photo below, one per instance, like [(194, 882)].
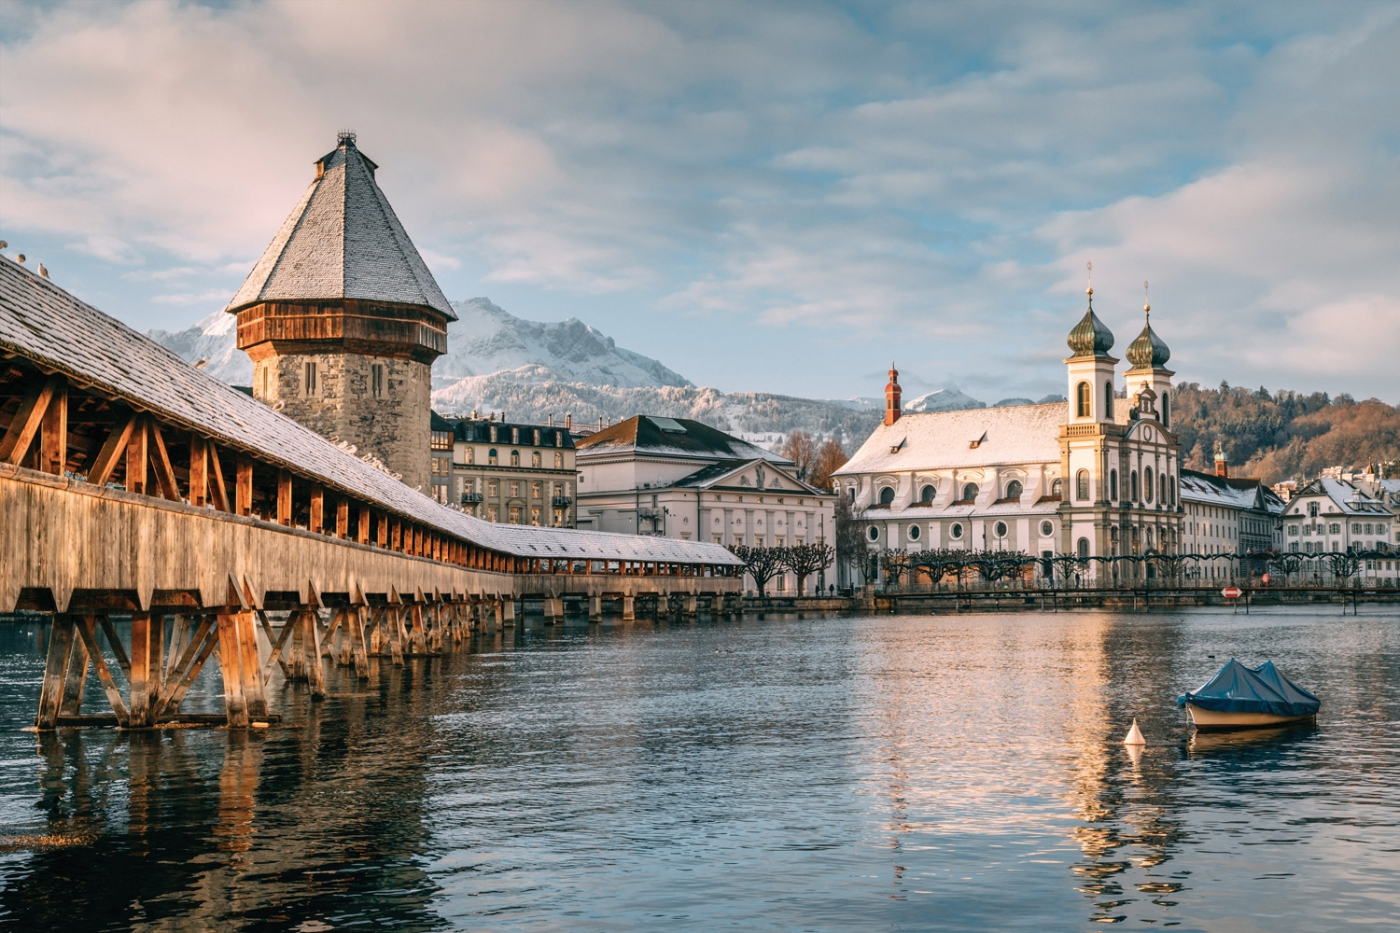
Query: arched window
[(1083, 547), (1014, 489), (1171, 484), (515, 458), (970, 491), (1147, 484), (1134, 478), (1113, 485), (1084, 406), (1162, 498), (1108, 400), (927, 493), (491, 457), (558, 461), (1081, 485), (1056, 488), (535, 458), (886, 495), (1166, 410)]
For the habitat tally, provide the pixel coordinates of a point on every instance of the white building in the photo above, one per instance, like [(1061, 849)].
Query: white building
[(1335, 515), (1227, 515), (678, 478), (1094, 476)]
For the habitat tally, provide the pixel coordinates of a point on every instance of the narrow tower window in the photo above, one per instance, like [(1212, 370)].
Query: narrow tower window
[(1113, 484), (1147, 483), (1082, 393), (1081, 485), (311, 384), (1108, 399), (376, 380)]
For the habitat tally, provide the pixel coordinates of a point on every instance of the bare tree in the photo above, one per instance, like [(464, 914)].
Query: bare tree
[(801, 450), (850, 543), (761, 563), (806, 559), (895, 564), (829, 458)]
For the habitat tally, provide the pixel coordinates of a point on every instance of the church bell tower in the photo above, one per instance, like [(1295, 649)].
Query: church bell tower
[(343, 320)]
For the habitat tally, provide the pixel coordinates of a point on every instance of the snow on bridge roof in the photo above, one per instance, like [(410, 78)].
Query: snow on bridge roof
[(44, 323)]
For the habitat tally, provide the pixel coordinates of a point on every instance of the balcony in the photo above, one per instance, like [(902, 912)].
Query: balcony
[(561, 502), (472, 498)]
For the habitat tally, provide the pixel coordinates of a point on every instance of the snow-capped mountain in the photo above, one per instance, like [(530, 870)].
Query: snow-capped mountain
[(215, 339)]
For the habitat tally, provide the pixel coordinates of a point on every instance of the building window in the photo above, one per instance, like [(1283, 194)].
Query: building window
[(515, 435), (471, 455), (1162, 495), (1312, 510), (1083, 547), (1081, 485), (491, 488), (376, 380), (515, 515), (927, 493), (515, 490), (913, 532), (491, 514), (559, 520), (1047, 528), (1113, 485), (956, 530), (1166, 410), (535, 490), (1082, 394), (1056, 488), (1171, 487), (1335, 528), (886, 495), (970, 491), (491, 458), (535, 459), (493, 434), (1014, 489), (515, 458), (1108, 400), (558, 461), (311, 383), (1000, 529), (1134, 478), (534, 516), (874, 533)]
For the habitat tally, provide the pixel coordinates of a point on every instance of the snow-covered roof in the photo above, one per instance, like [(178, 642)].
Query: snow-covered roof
[(726, 474), (672, 438), (1349, 499), (971, 438), (44, 323), (342, 240), (1208, 489)]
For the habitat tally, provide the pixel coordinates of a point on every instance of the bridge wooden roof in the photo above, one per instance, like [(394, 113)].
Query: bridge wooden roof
[(59, 333)]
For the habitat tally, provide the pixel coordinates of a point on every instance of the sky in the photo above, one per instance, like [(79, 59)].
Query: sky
[(775, 197)]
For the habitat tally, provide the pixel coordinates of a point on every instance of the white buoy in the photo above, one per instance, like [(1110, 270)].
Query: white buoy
[(1134, 736)]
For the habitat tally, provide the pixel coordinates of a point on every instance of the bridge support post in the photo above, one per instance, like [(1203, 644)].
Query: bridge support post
[(663, 605), (356, 618), (508, 611), (419, 639), (595, 609), (717, 605), (397, 634), (691, 606), (75, 680), (553, 610), (231, 668), (55, 667), (629, 610), (309, 620)]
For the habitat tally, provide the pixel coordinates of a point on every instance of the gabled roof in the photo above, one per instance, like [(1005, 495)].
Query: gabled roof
[(727, 473), (1209, 489), (478, 430), (678, 438), (43, 323), (974, 437), (342, 240), (1349, 499)]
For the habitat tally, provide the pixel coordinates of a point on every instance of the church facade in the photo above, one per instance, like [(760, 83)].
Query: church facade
[(1096, 475)]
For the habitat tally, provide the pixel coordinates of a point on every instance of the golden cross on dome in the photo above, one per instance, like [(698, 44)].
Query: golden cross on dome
[(1146, 302)]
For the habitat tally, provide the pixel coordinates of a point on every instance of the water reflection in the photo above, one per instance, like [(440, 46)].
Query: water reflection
[(822, 774)]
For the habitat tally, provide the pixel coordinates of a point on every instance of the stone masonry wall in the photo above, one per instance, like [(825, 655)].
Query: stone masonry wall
[(394, 426)]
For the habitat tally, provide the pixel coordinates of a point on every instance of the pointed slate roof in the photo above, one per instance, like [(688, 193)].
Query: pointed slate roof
[(342, 240)]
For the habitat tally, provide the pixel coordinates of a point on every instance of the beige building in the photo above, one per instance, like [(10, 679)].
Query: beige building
[(517, 474), (1227, 515), (677, 478), (1093, 476), (343, 320)]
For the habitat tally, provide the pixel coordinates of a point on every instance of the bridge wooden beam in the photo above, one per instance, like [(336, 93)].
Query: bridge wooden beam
[(342, 517), (28, 420), (318, 508), (284, 497), (160, 464), (199, 470), (243, 486), (112, 451), (218, 492), (137, 457), (53, 446)]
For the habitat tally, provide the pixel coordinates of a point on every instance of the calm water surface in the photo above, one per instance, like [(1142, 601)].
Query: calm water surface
[(834, 774)]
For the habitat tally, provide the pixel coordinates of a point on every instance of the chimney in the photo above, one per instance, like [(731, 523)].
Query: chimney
[(569, 421), (1222, 463), (551, 419), (892, 392)]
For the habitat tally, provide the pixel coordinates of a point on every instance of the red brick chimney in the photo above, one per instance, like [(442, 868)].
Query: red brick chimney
[(892, 392)]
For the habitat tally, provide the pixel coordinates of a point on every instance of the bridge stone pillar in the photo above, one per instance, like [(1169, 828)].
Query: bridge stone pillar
[(595, 609), (508, 611), (691, 606), (663, 605), (553, 610), (629, 612), (717, 605)]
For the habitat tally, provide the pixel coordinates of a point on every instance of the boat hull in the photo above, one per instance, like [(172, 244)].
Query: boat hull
[(1210, 719)]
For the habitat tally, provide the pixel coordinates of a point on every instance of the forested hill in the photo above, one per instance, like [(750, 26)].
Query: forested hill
[(1284, 435)]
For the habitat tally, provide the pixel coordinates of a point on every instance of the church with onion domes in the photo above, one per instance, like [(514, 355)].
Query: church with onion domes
[(1096, 475)]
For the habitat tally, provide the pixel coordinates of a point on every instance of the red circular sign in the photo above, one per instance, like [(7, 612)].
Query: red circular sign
[(1265, 578), (1231, 592)]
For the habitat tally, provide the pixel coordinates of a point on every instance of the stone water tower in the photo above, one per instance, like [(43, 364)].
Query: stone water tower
[(343, 320)]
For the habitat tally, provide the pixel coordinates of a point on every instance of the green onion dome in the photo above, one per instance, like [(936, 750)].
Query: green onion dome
[(1148, 351), (1090, 337)]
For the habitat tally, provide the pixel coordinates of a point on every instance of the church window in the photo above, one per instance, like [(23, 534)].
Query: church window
[(1162, 493), (913, 532), (970, 491), (1081, 485), (491, 458), (515, 458), (1083, 547), (886, 495), (1134, 478), (1000, 529), (1056, 488), (535, 458), (1108, 399), (1166, 411), (376, 380), (1082, 394), (1047, 528), (927, 493), (956, 530), (874, 533), (1113, 484), (1014, 489), (1147, 483)]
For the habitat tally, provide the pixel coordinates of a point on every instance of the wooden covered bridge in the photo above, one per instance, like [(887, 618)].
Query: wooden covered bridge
[(134, 485)]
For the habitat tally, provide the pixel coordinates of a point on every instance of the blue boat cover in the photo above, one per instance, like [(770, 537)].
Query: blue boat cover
[(1238, 689)]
